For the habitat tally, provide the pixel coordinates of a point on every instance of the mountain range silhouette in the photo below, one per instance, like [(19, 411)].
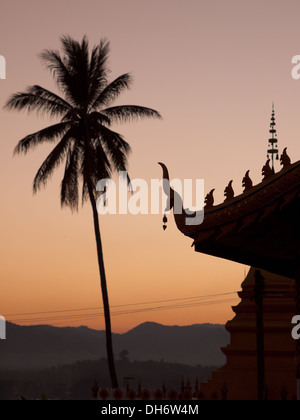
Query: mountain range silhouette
[(42, 346)]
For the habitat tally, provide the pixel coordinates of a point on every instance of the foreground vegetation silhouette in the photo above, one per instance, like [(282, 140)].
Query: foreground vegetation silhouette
[(74, 382), (83, 137)]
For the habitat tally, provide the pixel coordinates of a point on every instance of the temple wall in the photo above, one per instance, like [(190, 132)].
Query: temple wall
[(239, 375)]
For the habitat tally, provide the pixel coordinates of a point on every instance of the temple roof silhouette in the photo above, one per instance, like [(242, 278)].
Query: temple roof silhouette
[(259, 228)]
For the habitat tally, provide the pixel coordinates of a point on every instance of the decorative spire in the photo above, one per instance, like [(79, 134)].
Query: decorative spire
[(273, 153)]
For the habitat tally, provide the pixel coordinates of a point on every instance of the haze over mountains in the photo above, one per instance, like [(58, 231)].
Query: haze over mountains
[(38, 347)]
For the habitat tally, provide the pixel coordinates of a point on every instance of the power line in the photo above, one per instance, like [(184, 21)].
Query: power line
[(76, 317), (160, 309), (120, 306), (128, 312)]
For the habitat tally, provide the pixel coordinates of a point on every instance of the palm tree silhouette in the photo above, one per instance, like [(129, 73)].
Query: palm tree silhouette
[(82, 137)]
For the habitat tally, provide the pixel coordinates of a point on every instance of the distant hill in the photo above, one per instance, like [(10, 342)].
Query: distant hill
[(39, 347)]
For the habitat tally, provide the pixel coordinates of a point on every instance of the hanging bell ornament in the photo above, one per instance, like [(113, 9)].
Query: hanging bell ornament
[(165, 221)]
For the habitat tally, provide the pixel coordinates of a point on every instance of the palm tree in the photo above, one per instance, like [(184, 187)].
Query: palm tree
[(83, 137)]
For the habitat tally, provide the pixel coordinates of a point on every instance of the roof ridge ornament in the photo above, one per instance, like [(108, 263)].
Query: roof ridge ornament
[(267, 171), (285, 160), (247, 182), (209, 199), (229, 192)]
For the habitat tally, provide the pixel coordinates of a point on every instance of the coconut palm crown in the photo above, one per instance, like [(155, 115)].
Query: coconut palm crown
[(91, 149)]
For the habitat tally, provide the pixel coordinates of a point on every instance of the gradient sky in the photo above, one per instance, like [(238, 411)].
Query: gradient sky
[(212, 69)]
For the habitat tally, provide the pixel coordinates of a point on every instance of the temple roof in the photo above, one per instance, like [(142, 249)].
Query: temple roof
[(258, 228)]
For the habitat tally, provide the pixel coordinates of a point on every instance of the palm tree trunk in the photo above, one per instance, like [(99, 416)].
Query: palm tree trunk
[(109, 345)]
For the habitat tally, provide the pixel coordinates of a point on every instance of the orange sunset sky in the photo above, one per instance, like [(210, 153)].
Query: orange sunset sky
[(212, 68)]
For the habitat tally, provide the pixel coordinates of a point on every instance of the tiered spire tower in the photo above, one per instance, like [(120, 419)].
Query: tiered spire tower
[(273, 153)]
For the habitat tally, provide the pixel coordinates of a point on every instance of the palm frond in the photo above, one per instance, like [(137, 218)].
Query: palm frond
[(69, 187), (38, 99), (115, 147), (112, 140), (95, 118), (130, 112), (103, 167), (99, 70), (112, 91), (51, 96), (52, 161), (61, 74), (50, 133), (76, 58), (95, 167)]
